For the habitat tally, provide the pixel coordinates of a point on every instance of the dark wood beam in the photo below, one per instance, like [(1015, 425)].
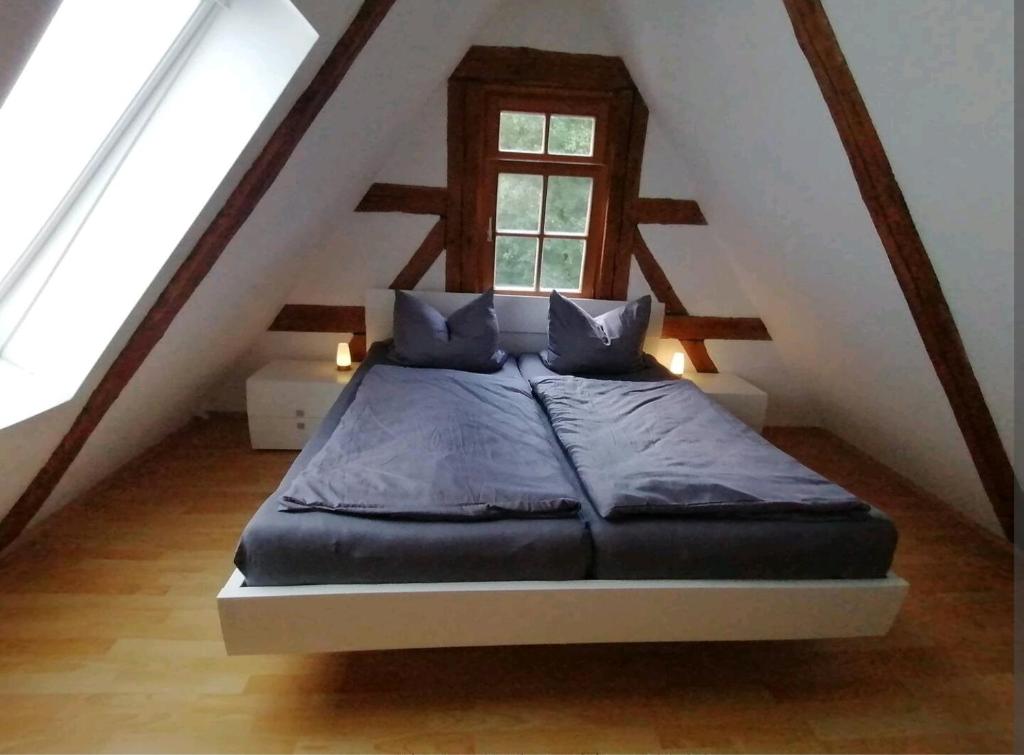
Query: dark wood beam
[(667, 211), (524, 66), (236, 210), (660, 285), (617, 285), (454, 242), (320, 318), (421, 259), (663, 291), (693, 328), (907, 254), (418, 200)]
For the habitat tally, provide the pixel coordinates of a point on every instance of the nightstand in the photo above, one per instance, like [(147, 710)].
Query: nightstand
[(747, 402), (286, 400)]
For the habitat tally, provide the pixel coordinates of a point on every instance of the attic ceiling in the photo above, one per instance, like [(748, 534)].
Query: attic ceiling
[(747, 130)]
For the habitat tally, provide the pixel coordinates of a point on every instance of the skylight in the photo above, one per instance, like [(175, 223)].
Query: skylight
[(123, 126), (91, 63)]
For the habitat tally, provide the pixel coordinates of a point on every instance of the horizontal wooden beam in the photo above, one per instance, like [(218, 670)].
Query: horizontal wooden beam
[(192, 271), (667, 211), (525, 66), (417, 200), (320, 318), (693, 328)]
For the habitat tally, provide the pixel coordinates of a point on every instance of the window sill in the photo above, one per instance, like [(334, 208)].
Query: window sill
[(26, 395)]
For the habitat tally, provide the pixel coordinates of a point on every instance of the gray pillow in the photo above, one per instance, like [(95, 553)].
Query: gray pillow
[(612, 343), (467, 340)]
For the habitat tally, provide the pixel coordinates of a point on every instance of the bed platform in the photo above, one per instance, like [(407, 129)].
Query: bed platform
[(331, 618), (320, 582)]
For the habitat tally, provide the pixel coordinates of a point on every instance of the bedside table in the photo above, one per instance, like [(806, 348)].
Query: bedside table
[(745, 401), (286, 400)]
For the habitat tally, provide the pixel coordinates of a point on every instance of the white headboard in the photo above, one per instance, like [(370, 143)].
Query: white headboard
[(523, 319)]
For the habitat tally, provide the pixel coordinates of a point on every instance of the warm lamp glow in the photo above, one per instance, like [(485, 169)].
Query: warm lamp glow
[(678, 363), (344, 357)]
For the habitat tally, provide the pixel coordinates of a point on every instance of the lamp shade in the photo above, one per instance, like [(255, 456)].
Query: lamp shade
[(678, 363), (344, 357)]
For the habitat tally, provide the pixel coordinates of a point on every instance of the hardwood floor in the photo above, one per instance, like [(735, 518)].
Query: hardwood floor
[(109, 641)]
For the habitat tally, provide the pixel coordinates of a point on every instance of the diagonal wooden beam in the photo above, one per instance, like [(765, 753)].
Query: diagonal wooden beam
[(239, 205), (907, 254), (421, 259), (667, 211), (662, 289), (660, 285), (418, 200)]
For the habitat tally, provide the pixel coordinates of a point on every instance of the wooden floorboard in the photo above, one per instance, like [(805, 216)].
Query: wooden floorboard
[(109, 642)]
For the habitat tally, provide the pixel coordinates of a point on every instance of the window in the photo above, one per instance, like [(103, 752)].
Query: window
[(124, 123), (546, 191), (80, 90), (544, 153)]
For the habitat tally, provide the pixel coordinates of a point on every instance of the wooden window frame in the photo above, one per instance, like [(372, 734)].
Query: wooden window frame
[(595, 166), (494, 78)]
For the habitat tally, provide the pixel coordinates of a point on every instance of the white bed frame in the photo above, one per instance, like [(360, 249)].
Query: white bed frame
[(330, 618)]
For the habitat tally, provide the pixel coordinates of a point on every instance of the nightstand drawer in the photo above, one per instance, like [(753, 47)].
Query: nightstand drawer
[(281, 432), (291, 399)]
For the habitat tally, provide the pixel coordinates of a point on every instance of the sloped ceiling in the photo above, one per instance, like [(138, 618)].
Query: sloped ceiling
[(327, 174), (747, 118), (744, 131)]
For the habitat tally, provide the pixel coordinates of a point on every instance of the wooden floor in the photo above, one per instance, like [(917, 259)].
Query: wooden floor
[(109, 641)]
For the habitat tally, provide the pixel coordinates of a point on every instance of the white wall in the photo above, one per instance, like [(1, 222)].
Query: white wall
[(775, 184), (368, 249)]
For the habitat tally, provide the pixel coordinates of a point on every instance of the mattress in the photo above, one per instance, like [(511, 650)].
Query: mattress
[(315, 547), (795, 546)]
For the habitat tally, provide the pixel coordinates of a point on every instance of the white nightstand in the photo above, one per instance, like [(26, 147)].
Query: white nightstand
[(286, 401), (746, 401)]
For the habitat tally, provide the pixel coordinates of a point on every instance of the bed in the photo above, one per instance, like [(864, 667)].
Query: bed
[(781, 547), (282, 548), (371, 584)]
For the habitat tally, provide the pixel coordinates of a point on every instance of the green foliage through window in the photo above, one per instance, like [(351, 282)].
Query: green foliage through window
[(515, 261), (562, 264), (521, 132)]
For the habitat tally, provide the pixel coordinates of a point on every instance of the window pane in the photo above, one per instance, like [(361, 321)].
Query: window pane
[(515, 262), (562, 265), (568, 205), (90, 63), (521, 132), (571, 135), (519, 202)]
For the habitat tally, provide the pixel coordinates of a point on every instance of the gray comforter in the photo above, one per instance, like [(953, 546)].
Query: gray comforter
[(427, 444), (665, 448)]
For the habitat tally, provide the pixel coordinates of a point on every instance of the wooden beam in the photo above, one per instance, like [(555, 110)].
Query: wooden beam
[(618, 287), (319, 318), (693, 328), (907, 254), (454, 242), (660, 285), (667, 211), (524, 66), (421, 259), (418, 200), (662, 289), (240, 204)]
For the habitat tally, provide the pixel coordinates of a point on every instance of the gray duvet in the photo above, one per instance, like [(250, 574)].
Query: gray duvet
[(425, 444), (665, 448)]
